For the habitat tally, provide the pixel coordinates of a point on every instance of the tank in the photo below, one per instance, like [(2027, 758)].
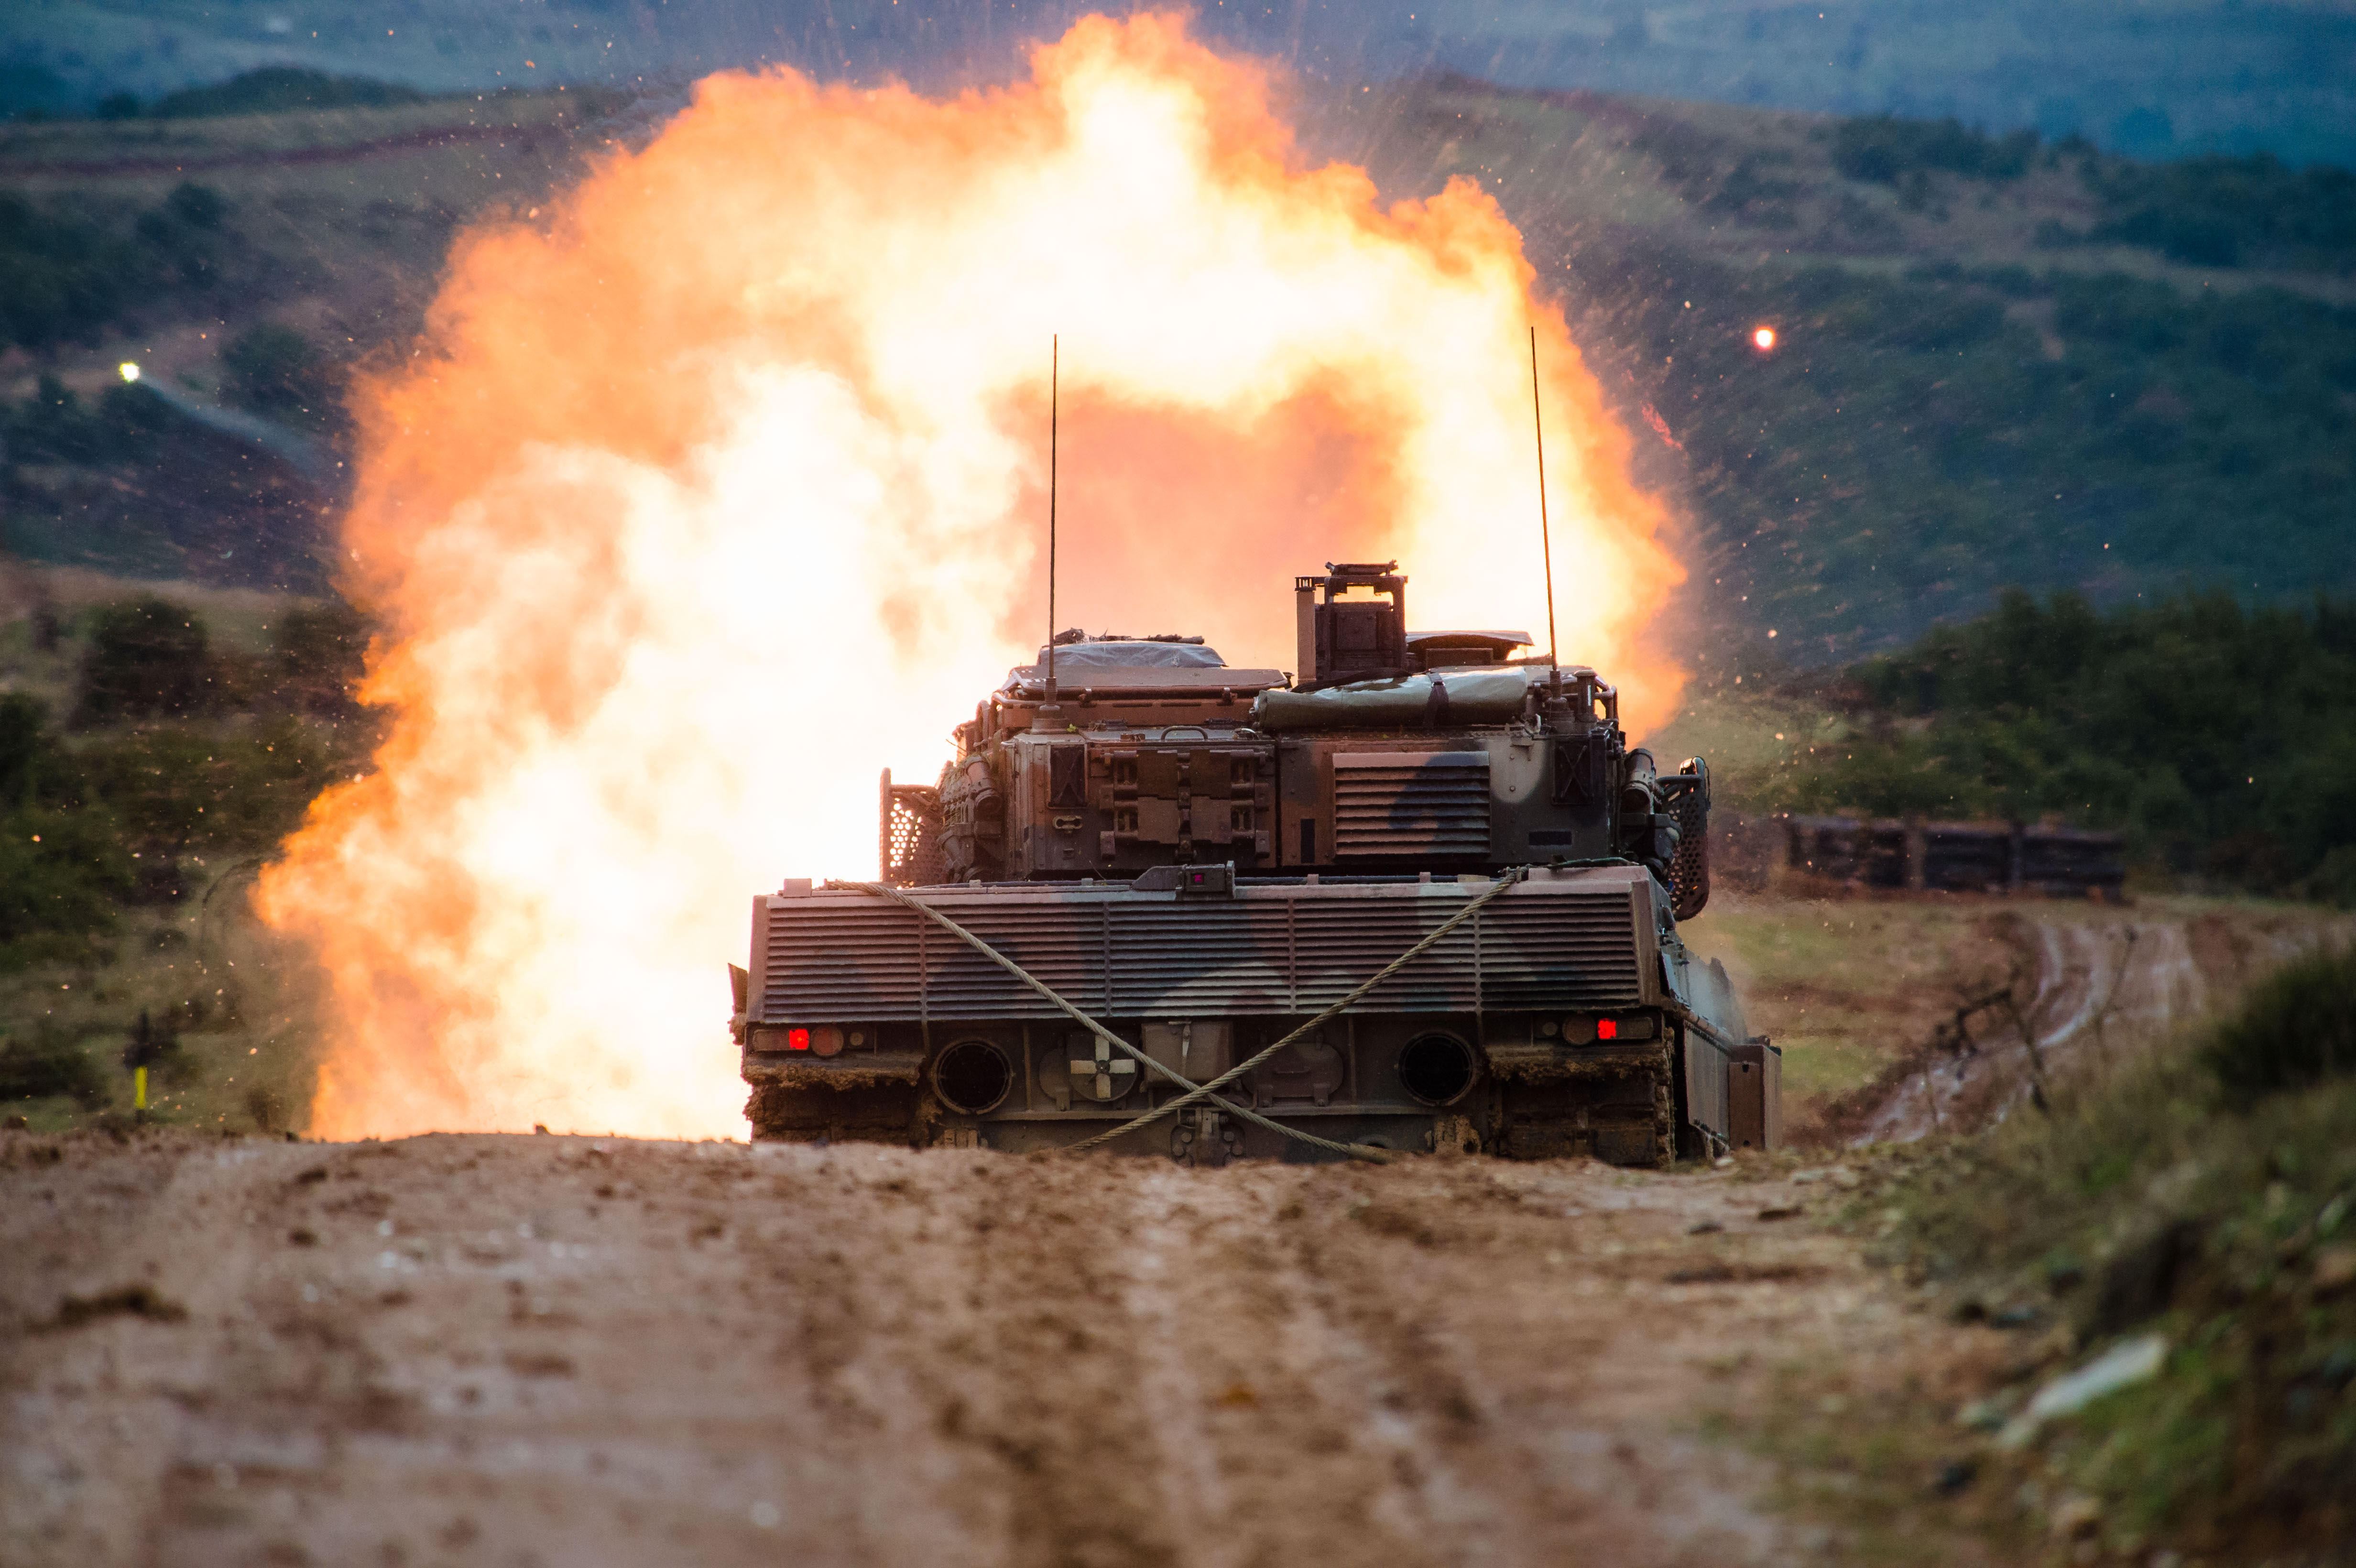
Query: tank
[(1144, 868)]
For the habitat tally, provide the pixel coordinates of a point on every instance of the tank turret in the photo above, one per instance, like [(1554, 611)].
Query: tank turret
[(1391, 750)]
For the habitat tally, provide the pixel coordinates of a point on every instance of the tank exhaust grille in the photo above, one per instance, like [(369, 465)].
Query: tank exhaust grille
[(850, 958), (1393, 804)]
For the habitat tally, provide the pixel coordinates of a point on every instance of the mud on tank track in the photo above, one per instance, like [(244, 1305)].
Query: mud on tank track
[(564, 1350), (1621, 1111)]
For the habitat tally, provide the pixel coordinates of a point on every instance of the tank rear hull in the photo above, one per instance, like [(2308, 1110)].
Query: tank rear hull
[(1562, 1019)]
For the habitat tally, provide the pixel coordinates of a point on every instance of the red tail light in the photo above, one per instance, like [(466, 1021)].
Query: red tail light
[(1605, 1028), (798, 1040)]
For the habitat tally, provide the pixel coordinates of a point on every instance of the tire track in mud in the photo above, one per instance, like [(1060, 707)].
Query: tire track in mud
[(1054, 1398), (2096, 988), (561, 1350)]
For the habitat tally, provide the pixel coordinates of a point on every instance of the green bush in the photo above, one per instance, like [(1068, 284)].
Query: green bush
[(61, 278), (2296, 1027), (65, 278), (24, 746), (273, 369), (32, 93), (62, 876), (173, 787), (1884, 149), (54, 425), (2333, 881), (147, 658), (198, 206), (49, 1064), (186, 232), (72, 814), (2226, 212), (2220, 739), (275, 88), (321, 654)]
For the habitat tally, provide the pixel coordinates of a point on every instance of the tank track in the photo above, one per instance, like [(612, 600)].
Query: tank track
[(792, 1103), (1621, 1111)]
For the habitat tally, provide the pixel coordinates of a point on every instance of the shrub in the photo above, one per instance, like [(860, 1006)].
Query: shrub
[(61, 278), (2216, 736), (199, 205), (49, 1064), (146, 658), (175, 785), (184, 234), (2140, 1197), (321, 652), (1884, 149), (2225, 212), (273, 369), (274, 89), (2298, 1028), (23, 745), (2333, 881), (31, 92), (61, 874), (54, 425)]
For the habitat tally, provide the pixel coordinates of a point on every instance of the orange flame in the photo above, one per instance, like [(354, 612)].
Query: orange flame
[(723, 487)]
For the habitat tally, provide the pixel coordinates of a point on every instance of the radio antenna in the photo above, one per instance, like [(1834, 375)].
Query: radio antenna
[(1054, 372), (1545, 532), (1050, 712)]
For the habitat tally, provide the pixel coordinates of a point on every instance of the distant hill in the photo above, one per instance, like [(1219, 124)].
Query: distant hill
[(2000, 361), (272, 89), (2154, 79), (1995, 363), (244, 261)]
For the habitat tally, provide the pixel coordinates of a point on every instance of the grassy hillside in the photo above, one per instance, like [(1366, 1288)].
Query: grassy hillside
[(2157, 78), (244, 260), (156, 741), (2194, 1202), (1999, 361), (1994, 364)]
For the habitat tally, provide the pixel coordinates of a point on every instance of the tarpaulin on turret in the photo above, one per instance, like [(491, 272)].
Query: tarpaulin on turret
[(1472, 696)]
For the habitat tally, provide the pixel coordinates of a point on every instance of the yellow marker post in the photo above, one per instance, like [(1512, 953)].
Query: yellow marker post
[(138, 1088)]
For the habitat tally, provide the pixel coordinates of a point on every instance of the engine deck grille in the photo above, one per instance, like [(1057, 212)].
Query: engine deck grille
[(848, 957)]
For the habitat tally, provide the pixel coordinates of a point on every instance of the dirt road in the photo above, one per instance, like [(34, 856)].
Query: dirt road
[(565, 1351)]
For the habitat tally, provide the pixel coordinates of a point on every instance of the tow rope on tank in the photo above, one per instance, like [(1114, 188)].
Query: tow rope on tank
[(1195, 1092)]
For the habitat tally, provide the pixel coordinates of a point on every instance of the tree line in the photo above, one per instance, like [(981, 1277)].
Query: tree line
[(2220, 737)]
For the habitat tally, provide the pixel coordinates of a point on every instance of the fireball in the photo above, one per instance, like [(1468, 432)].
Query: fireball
[(720, 485)]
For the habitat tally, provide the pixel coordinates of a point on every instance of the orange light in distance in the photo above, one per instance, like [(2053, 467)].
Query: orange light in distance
[(1762, 338)]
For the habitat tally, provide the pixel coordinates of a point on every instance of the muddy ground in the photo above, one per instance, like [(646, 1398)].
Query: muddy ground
[(566, 1351)]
